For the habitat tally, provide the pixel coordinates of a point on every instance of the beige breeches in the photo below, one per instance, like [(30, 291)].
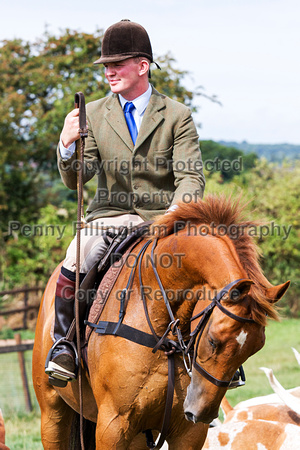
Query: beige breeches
[(91, 240)]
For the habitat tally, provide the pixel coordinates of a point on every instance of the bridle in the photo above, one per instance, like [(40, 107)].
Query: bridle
[(197, 333), (205, 314)]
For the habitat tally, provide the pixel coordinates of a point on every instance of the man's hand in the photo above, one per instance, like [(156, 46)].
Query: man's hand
[(70, 132)]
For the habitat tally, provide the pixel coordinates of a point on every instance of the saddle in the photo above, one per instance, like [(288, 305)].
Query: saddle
[(100, 280)]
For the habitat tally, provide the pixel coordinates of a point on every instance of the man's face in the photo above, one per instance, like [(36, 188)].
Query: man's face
[(124, 77)]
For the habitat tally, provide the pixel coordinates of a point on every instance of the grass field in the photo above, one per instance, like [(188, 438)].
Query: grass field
[(277, 355), (23, 430)]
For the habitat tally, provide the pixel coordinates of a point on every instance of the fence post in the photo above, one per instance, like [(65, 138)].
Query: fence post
[(23, 375), (25, 308)]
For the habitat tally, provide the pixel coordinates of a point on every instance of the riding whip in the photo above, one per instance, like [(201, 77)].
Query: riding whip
[(79, 103)]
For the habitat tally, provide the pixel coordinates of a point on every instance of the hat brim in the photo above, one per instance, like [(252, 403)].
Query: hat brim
[(120, 57)]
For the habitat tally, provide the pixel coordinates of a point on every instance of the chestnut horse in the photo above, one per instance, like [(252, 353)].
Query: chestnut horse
[(200, 249)]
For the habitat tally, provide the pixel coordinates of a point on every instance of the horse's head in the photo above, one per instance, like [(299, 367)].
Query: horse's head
[(217, 249), (230, 333)]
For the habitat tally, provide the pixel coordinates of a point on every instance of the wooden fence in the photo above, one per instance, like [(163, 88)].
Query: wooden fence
[(25, 291), (17, 345)]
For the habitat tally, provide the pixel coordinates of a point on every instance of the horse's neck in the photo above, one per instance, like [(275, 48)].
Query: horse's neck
[(168, 269), (181, 264)]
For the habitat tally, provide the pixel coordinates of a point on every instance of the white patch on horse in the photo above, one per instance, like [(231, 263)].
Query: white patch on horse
[(241, 338), (261, 446)]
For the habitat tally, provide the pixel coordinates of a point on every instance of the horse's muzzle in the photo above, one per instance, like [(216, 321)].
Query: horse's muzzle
[(190, 417), (197, 406), (201, 418)]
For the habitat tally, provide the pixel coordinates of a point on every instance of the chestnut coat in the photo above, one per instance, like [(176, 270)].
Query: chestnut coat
[(162, 168)]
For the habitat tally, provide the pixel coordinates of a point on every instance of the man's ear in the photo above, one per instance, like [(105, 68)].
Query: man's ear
[(144, 67)]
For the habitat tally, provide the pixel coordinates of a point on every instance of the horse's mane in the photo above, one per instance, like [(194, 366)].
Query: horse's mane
[(223, 216)]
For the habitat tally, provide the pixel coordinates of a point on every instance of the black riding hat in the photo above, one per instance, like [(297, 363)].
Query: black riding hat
[(123, 40)]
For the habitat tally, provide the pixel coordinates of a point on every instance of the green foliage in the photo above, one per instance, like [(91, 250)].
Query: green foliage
[(6, 333), (273, 193), (37, 86), (276, 192), (229, 161), (37, 247), (168, 81), (23, 431), (272, 152)]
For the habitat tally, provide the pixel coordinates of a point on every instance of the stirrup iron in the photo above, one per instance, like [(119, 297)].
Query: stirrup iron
[(58, 376)]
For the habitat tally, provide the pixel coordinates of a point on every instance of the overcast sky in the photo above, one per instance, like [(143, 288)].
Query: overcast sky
[(244, 51)]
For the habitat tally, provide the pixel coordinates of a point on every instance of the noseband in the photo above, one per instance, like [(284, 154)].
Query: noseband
[(197, 333)]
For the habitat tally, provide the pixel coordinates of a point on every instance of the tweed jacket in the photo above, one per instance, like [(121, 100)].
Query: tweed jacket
[(161, 169)]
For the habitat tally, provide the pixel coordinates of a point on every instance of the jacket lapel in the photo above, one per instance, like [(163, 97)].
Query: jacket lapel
[(151, 119), (115, 117)]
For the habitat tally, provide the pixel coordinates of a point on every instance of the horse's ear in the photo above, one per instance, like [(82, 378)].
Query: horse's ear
[(275, 293), (240, 289)]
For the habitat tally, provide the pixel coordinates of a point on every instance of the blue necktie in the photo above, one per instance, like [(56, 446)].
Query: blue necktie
[(128, 108)]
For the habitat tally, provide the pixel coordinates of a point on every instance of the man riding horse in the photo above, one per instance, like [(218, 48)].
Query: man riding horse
[(138, 129)]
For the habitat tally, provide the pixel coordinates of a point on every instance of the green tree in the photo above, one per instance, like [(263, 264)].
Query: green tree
[(229, 161), (37, 83), (273, 194)]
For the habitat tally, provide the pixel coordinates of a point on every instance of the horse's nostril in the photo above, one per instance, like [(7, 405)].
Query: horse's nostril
[(190, 417)]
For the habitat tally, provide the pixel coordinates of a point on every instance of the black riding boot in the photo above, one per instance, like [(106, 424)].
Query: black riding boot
[(61, 362)]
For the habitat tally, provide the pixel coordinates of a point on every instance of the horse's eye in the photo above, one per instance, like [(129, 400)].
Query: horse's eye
[(212, 343)]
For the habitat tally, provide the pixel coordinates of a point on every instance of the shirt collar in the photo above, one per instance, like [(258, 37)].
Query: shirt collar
[(140, 102)]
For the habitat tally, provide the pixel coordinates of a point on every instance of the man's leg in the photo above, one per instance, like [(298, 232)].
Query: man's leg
[(62, 362), (62, 358)]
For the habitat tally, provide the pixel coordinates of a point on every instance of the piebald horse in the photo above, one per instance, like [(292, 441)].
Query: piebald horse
[(195, 252)]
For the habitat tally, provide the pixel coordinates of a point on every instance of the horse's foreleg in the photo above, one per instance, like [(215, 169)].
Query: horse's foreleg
[(56, 421), (139, 442), (112, 431), (191, 437), (110, 436)]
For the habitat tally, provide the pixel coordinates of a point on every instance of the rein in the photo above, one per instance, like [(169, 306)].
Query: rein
[(168, 346)]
